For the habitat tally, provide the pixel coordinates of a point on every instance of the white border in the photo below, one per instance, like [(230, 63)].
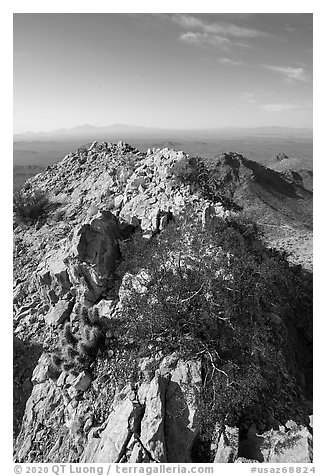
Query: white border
[(240, 6)]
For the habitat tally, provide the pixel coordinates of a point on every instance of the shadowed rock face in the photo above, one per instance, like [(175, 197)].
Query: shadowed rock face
[(98, 243)]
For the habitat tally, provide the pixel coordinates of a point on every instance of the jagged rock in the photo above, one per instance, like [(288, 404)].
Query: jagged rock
[(169, 420), (228, 444), (107, 448), (97, 243), (52, 276), (40, 373), (281, 156), (295, 176), (137, 454), (60, 313), (106, 307), (44, 396), (152, 424), (182, 411), (86, 262), (118, 201), (19, 292), (278, 446), (64, 379), (82, 381)]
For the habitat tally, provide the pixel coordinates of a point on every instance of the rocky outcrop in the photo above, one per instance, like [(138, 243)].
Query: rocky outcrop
[(99, 196), (291, 443), (227, 445), (83, 265), (281, 156), (156, 423)]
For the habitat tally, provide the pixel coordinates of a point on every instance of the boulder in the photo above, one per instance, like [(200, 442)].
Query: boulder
[(40, 373), (97, 243), (118, 201), (82, 381), (281, 156), (59, 313)]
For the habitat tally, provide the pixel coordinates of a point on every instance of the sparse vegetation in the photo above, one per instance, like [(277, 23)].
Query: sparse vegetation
[(195, 173), (30, 205)]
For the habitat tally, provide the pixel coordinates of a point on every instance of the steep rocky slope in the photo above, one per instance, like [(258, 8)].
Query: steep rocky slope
[(299, 170), (96, 394)]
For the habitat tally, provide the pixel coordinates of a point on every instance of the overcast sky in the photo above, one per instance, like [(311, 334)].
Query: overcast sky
[(162, 70)]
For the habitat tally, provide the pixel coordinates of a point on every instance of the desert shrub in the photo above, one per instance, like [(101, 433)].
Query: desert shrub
[(30, 205), (204, 294), (195, 173), (78, 350)]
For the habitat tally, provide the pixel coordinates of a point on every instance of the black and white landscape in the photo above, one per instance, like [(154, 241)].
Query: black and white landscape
[(163, 192)]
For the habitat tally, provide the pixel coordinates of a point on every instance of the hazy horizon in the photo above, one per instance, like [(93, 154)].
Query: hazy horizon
[(167, 71), (135, 126)]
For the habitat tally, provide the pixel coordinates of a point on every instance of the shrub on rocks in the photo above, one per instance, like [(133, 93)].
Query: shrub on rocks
[(207, 295), (30, 205)]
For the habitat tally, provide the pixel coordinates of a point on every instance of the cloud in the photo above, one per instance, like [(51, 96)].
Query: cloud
[(230, 62), (279, 107), (248, 97), (217, 28), (290, 74), (204, 39)]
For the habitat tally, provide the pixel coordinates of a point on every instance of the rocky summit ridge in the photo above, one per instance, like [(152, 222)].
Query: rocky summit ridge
[(69, 294)]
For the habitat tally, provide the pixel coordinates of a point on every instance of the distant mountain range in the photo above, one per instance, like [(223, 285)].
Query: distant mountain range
[(125, 130)]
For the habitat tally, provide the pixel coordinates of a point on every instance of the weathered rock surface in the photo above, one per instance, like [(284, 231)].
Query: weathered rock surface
[(289, 444), (59, 313), (227, 446), (158, 423)]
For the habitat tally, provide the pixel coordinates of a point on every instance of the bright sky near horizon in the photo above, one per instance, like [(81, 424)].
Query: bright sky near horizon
[(162, 70)]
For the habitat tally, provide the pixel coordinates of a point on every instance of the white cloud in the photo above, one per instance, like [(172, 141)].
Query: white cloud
[(290, 74), (217, 28), (202, 39), (248, 97), (278, 107), (230, 62)]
